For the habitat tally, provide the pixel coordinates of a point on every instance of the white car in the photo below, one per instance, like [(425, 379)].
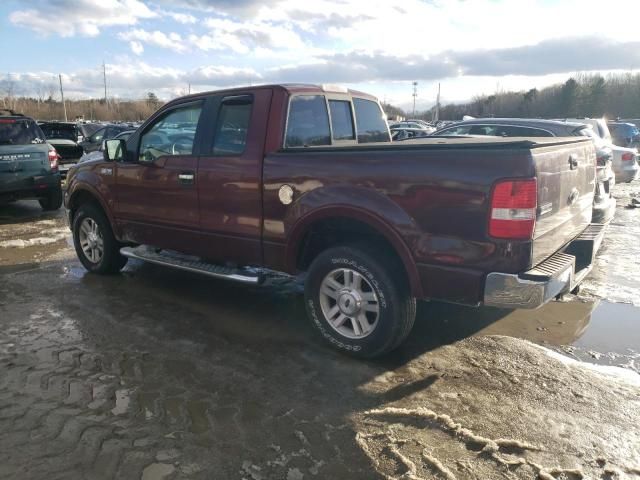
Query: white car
[(625, 160)]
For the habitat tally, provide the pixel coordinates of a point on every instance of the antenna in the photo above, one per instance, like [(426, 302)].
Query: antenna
[(415, 95), (64, 105)]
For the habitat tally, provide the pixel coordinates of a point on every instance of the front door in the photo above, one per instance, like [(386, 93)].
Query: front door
[(156, 190)]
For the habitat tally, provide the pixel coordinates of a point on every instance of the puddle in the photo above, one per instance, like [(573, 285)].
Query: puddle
[(596, 331)]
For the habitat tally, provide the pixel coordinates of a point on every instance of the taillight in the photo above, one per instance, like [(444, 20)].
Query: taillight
[(513, 209), (53, 159), (628, 157)]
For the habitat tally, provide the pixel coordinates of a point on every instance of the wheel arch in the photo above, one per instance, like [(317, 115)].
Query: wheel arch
[(83, 194), (361, 221)]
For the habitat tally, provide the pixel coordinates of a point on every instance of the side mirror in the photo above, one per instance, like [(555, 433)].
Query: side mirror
[(114, 150)]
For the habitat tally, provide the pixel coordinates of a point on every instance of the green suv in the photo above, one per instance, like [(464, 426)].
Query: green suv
[(28, 164)]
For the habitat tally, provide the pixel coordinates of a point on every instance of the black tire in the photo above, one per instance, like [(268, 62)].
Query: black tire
[(111, 261), (53, 200), (397, 308)]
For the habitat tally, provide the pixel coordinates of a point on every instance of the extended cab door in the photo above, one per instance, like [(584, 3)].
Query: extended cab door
[(230, 177), (156, 189)]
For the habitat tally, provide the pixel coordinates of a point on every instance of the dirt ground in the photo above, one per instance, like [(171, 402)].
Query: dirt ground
[(156, 373)]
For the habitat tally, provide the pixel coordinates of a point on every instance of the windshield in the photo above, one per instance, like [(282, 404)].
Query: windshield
[(67, 132), (20, 132)]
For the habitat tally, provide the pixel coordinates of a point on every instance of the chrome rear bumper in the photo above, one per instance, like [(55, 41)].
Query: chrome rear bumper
[(558, 274)]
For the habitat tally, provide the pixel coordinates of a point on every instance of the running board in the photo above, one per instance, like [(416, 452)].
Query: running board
[(191, 264)]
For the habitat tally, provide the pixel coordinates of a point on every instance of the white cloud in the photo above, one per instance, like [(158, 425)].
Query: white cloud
[(172, 41), (67, 18), (184, 18), (136, 47)]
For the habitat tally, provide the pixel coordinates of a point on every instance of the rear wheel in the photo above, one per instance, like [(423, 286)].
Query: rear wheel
[(53, 200), (358, 302), (95, 245)]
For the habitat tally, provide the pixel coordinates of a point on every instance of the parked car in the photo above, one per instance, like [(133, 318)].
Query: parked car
[(302, 179), (604, 205), (399, 133), (86, 129), (105, 132), (63, 136), (624, 134), (624, 160), (599, 125), (28, 164), (99, 154), (412, 125)]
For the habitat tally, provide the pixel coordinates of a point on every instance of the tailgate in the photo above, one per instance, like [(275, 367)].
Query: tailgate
[(20, 163), (566, 183)]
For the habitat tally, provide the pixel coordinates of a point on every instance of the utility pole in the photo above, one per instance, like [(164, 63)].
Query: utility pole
[(104, 74), (189, 88), (64, 105), (436, 115), (415, 95)]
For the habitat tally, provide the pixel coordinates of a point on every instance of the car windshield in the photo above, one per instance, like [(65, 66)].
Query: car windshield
[(20, 132), (53, 131)]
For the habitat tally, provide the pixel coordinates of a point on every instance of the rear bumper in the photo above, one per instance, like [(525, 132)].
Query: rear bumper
[(560, 273), (627, 174), (37, 186)]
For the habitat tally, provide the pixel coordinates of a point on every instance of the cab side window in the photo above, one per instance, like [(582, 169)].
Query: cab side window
[(341, 120), (308, 122), (371, 122), (172, 134)]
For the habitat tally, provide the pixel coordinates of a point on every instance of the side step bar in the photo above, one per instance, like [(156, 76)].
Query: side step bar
[(191, 264)]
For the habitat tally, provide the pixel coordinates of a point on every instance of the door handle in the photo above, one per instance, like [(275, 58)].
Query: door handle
[(573, 162), (186, 178)]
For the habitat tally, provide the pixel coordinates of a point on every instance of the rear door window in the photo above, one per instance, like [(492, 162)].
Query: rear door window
[(341, 120), (308, 122), (232, 126), (370, 121)]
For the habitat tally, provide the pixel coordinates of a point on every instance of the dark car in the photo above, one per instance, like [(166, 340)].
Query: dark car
[(64, 137), (304, 179), (624, 134), (98, 154), (401, 133), (28, 164), (604, 205), (105, 132), (85, 130)]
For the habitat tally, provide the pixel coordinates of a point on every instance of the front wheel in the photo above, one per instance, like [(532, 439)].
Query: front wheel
[(361, 305), (95, 245)]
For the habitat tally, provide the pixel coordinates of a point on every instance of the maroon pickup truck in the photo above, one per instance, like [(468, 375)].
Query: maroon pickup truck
[(304, 179)]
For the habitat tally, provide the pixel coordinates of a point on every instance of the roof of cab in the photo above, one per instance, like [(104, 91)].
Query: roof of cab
[(290, 88)]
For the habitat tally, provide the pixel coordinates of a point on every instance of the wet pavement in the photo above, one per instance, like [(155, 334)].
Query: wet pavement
[(156, 373)]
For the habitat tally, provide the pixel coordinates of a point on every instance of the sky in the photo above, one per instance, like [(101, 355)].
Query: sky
[(470, 47)]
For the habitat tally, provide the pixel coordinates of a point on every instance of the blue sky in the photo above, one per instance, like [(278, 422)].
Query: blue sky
[(472, 47)]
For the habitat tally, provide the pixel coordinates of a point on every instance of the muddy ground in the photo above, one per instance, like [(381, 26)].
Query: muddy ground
[(156, 373)]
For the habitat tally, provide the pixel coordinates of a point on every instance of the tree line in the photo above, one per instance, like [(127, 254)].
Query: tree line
[(583, 95), (50, 108)]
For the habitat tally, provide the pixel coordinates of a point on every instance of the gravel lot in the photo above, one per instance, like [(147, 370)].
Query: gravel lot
[(156, 373)]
